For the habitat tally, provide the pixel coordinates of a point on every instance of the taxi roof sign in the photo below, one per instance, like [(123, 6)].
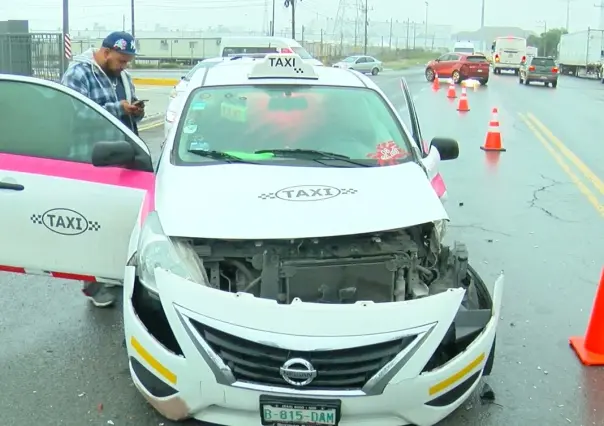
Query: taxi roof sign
[(283, 65)]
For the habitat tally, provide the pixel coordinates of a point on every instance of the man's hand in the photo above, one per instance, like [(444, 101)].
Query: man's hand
[(130, 109)]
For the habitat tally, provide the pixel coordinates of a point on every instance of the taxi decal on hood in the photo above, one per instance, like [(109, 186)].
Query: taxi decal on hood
[(307, 193)]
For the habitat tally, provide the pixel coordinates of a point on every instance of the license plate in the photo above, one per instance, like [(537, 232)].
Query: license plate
[(479, 70), (299, 411), (543, 77)]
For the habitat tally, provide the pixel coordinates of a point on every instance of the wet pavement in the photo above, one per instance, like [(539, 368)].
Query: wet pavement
[(63, 362)]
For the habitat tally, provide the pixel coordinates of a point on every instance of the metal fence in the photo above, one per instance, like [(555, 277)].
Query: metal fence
[(35, 54)]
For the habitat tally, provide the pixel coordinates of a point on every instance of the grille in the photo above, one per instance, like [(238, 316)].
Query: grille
[(345, 369)]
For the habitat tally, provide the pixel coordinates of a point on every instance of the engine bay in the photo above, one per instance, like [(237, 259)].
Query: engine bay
[(397, 265)]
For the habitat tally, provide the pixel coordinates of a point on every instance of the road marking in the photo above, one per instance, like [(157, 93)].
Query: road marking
[(591, 197), (150, 126), (591, 176)]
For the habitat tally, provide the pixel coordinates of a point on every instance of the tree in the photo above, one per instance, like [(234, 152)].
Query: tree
[(293, 4), (547, 43)]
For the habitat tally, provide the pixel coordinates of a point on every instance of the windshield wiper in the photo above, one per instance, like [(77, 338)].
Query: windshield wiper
[(311, 154), (219, 155)]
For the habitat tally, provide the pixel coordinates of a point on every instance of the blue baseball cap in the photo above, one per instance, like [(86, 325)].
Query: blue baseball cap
[(120, 42)]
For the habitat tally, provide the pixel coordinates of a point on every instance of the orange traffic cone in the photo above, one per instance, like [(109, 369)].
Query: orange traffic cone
[(435, 83), (590, 349), (463, 105), (451, 94), (493, 139)]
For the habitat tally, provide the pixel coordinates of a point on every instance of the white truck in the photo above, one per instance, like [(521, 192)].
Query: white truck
[(581, 53), (508, 54)]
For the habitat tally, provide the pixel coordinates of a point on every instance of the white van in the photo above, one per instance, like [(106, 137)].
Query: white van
[(230, 46), (508, 54), (464, 47)]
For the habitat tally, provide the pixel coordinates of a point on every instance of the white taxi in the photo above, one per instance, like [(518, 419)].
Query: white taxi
[(281, 265)]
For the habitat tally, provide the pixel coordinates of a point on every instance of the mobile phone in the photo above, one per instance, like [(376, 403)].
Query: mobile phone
[(140, 102)]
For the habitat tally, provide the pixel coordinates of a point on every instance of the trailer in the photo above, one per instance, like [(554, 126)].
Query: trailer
[(582, 53)]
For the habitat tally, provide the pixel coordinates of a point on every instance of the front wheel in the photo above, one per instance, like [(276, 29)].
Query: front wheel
[(430, 74), (456, 76), (526, 82), (484, 82), (520, 80), (554, 84), (516, 72), (374, 71)]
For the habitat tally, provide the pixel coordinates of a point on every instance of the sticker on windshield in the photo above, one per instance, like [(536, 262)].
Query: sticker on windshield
[(189, 129), (387, 153), (198, 106)]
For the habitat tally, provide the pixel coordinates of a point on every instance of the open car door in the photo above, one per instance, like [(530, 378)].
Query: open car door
[(62, 216), (430, 156)]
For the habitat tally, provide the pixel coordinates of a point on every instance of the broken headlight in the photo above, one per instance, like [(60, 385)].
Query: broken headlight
[(156, 250)]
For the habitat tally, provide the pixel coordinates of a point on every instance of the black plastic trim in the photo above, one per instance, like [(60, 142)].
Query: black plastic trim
[(154, 385), (454, 394)]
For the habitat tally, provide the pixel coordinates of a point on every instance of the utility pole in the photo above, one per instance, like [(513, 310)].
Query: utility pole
[(426, 29), (408, 28), (132, 16), (482, 34), (124, 23), (390, 38), (367, 25), (567, 15), (292, 3), (601, 7), (273, 21), (303, 29), (544, 38), (66, 39)]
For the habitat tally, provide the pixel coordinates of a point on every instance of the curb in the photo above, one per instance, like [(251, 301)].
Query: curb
[(155, 81)]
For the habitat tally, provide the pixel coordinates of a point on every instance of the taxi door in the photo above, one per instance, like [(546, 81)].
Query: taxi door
[(430, 157), (60, 215)]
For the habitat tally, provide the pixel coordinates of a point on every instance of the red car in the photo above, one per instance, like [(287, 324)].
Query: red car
[(459, 66)]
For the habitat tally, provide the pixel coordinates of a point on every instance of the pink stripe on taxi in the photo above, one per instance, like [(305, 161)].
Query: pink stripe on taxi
[(78, 171), (439, 185)]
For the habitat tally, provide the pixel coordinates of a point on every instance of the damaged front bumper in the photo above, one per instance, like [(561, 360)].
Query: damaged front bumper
[(193, 354)]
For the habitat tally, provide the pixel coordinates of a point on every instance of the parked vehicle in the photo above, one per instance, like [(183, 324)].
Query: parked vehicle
[(464, 47), (508, 54), (459, 67), (363, 64), (580, 53), (264, 44), (541, 69)]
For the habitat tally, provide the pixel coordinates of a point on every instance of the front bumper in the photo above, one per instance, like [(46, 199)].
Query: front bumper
[(193, 383), (504, 66)]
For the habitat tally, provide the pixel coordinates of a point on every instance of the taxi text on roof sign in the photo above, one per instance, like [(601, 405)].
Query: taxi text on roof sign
[(283, 66)]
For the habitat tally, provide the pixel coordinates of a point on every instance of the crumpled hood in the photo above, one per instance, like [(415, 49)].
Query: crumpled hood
[(240, 201)]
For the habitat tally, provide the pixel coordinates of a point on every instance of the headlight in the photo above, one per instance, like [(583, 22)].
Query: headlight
[(156, 250)]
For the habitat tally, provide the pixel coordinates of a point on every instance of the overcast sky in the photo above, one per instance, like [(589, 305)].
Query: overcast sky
[(199, 14)]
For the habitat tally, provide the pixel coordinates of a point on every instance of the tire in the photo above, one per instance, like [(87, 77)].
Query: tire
[(526, 82), (374, 71), (554, 84), (516, 72), (497, 71), (456, 76), (519, 80), (484, 82), (546, 84), (429, 74)]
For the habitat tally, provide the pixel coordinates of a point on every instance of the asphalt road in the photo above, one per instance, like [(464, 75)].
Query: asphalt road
[(63, 362)]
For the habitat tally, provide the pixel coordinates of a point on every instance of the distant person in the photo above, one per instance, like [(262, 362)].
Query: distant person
[(99, 74)]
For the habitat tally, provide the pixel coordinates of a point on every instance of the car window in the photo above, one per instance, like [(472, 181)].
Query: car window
[(443, 57), (371, 59), (454, 57), (350, 59), (245, 119), (227, 51), (41, 121), (361, 60), (197, 67), (464, 49), (476, 58), (544, 62), (301, 52)]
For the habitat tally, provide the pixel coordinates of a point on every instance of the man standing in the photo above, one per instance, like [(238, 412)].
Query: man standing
[(100, 74)]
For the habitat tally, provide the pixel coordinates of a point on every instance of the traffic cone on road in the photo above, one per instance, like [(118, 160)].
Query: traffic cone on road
[(590, 349), (493, 139), (463, 105), (435, 83), (451, 93)]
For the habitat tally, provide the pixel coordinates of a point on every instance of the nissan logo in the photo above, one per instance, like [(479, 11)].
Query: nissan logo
[(298, 372)]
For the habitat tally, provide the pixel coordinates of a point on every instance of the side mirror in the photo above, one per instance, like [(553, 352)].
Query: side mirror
[(447, 148), (437, 60), (183, 77), (118, 153)]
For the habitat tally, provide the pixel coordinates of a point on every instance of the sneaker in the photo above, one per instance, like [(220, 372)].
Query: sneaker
[(98, 294)]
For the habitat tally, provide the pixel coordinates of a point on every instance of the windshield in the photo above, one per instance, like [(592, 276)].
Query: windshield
[(543, 62), (464, 50), (241, 120), (301, 52), (197, 67)]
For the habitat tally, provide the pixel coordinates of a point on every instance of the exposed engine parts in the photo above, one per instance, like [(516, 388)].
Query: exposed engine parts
[(389, 266)]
